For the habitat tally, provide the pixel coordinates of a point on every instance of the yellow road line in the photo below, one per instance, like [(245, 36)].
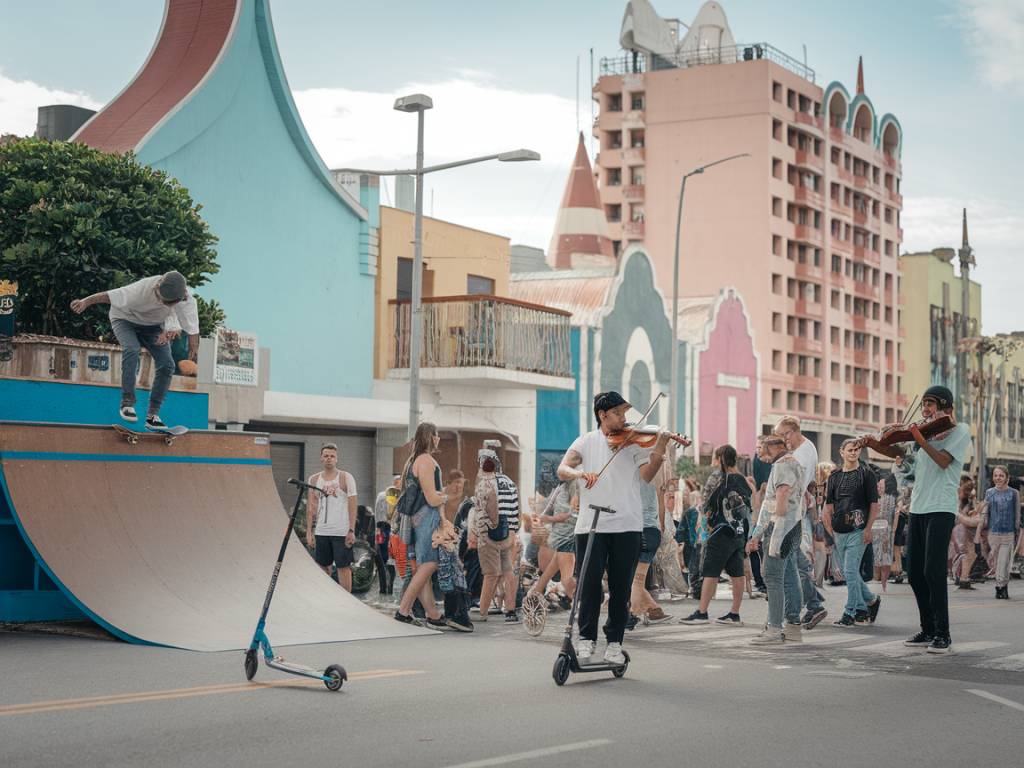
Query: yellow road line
[(184, 693)]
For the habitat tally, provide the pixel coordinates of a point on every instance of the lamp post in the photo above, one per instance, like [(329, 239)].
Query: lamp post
[(674, 386), (420, 103)]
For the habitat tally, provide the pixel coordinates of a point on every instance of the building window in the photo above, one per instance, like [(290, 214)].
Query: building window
[(777, 129), (777, 91), (614, 139), (777, 322), (835, 408), (776, 398), (479, 286), (776, 360), (637, 101), (614, 177), (777, 284), (776, 206), (403, 282), (776, 245), (614, 102), (776, 168), (636, 140), (835, 372), (614, 212)]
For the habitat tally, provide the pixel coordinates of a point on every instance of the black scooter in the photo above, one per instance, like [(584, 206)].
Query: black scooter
[(335, 674), (567, 660)]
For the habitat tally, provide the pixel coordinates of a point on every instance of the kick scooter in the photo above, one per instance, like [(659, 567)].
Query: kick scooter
[(334, 675), (567, 660)]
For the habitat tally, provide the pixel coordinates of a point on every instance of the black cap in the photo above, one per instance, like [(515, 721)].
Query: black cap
[(942, 395), (605, 401)]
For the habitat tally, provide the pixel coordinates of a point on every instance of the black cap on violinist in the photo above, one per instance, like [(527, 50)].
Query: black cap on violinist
[(605, 401), (940, 394)]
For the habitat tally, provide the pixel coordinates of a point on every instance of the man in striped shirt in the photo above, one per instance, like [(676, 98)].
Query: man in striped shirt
[(508, 507)]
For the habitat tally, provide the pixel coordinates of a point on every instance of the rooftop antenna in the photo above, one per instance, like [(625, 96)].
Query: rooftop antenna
[(592, 116), (805, 55), (577, 95)]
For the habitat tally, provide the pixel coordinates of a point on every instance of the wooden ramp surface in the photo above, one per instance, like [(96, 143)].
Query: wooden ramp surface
[(172, 544)]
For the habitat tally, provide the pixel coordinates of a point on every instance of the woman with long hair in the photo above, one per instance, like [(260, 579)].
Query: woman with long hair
[(883, 530), (425, 472)]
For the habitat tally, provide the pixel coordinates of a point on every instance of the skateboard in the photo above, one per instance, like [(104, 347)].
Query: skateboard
[(167, 433)]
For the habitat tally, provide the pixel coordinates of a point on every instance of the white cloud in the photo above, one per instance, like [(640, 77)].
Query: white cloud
[(19, 100), (472, 116), (994, 232), (994, 32)]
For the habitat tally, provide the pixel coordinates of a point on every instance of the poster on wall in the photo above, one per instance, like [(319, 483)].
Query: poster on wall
[(235, 358)]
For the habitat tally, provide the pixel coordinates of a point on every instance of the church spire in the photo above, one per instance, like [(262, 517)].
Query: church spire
[(965, 245), (860, 74), (580, 238)]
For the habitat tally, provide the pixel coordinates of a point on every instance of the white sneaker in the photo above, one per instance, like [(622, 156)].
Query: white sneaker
[(128, 413), (584, 650), (614, 655), (793, 633), (769, 636)]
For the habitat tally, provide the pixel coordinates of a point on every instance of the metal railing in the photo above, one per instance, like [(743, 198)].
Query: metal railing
[(625, 64), (477, 331)]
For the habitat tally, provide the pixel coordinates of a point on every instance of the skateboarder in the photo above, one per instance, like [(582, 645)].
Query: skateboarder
[(331, 516), (148, 313)]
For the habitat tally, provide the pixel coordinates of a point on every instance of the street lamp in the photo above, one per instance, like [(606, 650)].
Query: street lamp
[(420, 103), (674, 387)]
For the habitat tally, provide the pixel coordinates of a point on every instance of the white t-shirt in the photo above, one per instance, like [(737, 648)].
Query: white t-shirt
[(618, 487), (807, 456), (332, 510), (137, 303)]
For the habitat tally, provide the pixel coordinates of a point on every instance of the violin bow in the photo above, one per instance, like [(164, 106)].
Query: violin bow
[(643, 418), (914, 404)]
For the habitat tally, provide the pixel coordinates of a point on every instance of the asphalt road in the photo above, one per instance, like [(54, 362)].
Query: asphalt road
[(692, 696)]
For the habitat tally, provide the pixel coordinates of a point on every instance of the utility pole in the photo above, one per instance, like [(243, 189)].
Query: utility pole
[(966, 255)]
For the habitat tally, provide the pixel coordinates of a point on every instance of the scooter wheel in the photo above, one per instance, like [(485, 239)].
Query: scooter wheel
[(337, 675), (561, 669), (620, 671), (251, 664)]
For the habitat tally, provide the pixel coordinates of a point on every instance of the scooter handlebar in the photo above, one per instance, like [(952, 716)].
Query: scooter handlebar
[(602, 510), (300, 484)]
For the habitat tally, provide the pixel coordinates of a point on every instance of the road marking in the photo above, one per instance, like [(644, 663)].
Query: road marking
[(183, 693), (997, 699), (1014, 663), (977, 645), (835, 638), (534, 753), (695, 635), (891, 648)]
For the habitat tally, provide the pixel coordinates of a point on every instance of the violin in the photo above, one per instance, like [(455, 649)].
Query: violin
[(644, 436), (887, 440)]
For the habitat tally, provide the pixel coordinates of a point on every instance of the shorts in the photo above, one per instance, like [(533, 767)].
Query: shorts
[(565, 546), (332, 549), (723, 552), (426, 520), (495, 556), (649, 543)]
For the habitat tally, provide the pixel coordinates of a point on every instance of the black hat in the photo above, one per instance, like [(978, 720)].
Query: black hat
[(940, 394), (605, 401)]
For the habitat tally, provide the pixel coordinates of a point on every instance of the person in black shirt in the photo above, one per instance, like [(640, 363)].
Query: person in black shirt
[(851, 506), (727, 505)]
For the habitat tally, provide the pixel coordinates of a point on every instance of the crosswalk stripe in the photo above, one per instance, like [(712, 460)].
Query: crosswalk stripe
[(695, 635), (835, 638), (891, 648), (977, 645)]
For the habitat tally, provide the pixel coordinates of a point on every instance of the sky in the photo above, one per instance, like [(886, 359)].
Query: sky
[(504, 76)]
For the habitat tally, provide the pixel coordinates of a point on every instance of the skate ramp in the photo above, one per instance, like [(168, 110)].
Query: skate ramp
[(175, 544)]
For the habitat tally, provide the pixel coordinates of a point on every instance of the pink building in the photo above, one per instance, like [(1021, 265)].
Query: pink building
[(807, 228)]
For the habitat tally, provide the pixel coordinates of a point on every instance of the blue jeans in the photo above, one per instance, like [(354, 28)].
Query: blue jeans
[(132, 338), (849, 551), (782, 580), (810, 595)]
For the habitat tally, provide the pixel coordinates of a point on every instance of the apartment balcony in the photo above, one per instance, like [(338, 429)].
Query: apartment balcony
[(866, 255), (806, 383), (844, 174), (633, 156), (808, 196), (809, 160), (895, 197), (633, 230), (899, 233), (809, 234), (839, 243), (836, 134), (634, 118), (609, 121), (861, 392), (841, 208), (633, 193), (810, 346), (859, 322), (861, 182), (803, 118), (866, 291), (860, 217), (485, 340), (809, 308), (808, 270)]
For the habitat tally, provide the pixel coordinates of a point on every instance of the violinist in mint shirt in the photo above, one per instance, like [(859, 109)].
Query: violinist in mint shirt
[(933, 507)]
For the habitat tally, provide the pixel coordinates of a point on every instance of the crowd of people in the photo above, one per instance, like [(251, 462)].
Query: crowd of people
[(779, 530)]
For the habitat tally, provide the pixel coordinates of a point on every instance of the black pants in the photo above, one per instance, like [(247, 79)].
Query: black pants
[(618, 553), (755, 568), (928, 545)]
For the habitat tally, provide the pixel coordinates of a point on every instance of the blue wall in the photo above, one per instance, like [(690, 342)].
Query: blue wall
[(289, 247)]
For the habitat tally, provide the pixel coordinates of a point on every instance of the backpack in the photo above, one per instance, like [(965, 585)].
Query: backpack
[(495, 531), (409, 501)]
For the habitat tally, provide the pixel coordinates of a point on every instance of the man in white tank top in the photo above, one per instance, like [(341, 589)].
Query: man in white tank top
[(331, 516)]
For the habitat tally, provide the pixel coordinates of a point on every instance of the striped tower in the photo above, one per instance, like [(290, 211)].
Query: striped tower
[(581, 238)]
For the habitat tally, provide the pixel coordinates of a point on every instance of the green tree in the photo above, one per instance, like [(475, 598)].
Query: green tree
[(76, 221)]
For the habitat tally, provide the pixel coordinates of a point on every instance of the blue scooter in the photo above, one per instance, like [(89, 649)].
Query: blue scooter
[(334, 675)]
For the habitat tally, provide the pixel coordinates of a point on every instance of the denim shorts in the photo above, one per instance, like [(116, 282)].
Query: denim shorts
[(424, 522), (649, 544)]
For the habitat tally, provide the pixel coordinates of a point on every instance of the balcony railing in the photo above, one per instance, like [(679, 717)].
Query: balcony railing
[(633, 193), (808, 159), (633, 229), (633, 156), (484, 331)]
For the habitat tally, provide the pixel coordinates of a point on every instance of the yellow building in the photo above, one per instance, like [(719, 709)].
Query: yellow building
[(929, 315), (1004, 382), (457, 261)]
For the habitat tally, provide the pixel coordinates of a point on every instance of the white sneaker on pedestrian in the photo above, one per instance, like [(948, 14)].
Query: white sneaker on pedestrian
[(584, 650), (793, 633), (769, 636), (613, 654)]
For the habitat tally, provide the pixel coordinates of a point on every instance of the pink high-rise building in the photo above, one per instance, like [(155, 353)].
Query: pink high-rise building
[(807, 227)]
